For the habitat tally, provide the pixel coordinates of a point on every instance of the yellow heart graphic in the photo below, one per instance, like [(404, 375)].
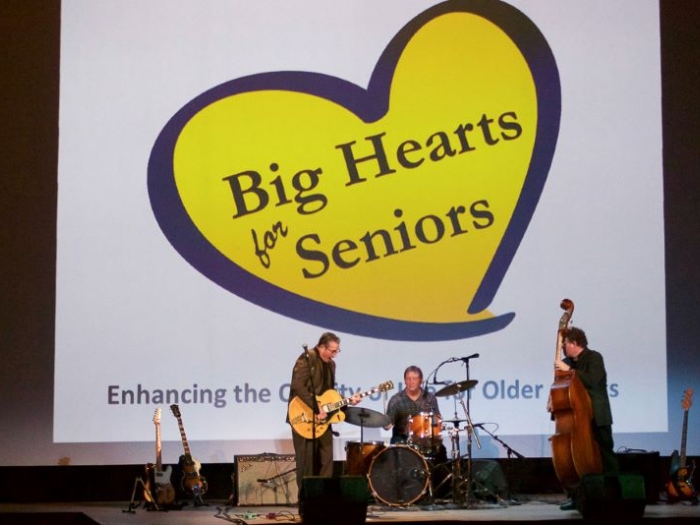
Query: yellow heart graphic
[(395, 209)]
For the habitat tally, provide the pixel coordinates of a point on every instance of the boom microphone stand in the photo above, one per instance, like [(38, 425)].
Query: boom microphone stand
[(470, 432), (315, 410)]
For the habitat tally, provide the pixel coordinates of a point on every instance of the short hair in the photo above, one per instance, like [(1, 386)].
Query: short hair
[(326, 338), (576, 335), (413, 368)]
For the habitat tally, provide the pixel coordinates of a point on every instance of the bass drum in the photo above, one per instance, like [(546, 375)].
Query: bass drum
[(398, 475)]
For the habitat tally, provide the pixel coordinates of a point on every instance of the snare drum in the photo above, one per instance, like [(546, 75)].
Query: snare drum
[(359, 456), (399, 475)]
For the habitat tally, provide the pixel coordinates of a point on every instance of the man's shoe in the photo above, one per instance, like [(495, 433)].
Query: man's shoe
[(569, 505)]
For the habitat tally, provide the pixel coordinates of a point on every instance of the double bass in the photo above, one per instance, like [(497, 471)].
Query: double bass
[(575, 451)]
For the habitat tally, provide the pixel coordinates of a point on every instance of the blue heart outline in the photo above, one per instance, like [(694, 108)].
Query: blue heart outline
[(369, 105)]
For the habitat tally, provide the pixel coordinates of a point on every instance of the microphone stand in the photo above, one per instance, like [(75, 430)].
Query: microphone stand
[(470, 431), (315, 411), (273, 483)]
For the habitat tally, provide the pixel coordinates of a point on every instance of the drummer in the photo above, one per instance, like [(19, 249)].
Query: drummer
[(410, 401)]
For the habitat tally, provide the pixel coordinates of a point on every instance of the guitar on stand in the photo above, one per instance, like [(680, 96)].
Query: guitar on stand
[(301, 416), (680, 483), (158, 489), (192, 482)]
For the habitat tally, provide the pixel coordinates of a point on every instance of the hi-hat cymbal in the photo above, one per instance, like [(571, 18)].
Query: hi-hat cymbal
[(454, 421), (366, 418), (456, 388)]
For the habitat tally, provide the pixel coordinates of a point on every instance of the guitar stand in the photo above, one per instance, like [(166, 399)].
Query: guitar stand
[(133, 505), (197, 500)]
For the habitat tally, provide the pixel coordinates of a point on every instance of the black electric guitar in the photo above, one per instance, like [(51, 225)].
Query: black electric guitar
[(301, 416), (159, 486), (680, 483), (192, 482)]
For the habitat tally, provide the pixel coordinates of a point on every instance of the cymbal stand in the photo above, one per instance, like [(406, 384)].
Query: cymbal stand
[(457, 494), (363, 416), (454, 475)]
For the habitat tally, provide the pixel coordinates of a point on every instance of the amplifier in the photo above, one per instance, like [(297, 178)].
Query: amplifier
[(265, 479), (647, 465)]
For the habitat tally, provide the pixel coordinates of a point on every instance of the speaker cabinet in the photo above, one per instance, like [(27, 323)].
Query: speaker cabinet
[(646, 464), (608, 496), (488, 481), (337, 501), (265, 479)]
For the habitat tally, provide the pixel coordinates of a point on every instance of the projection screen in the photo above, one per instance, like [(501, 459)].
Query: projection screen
[(426, 180)]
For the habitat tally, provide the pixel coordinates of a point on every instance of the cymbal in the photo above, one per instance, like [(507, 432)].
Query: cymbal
[(456, 388), (366, 418), (454, 421)]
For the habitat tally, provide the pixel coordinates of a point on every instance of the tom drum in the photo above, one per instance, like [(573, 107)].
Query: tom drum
[(425, 425), (359, 456)]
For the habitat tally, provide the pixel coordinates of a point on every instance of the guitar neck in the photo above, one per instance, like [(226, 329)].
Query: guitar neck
[(683, 438), (330, 407), (184, 439), (159, 461)]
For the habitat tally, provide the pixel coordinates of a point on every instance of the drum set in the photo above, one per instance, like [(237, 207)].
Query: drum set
[(402, 474)]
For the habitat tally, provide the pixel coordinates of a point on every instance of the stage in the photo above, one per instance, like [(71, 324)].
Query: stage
[(262, 489), (530, 509)]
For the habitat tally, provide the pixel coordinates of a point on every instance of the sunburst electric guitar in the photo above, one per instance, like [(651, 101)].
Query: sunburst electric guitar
[(192, 483), (680, 483), (161, 489), (301, 416)]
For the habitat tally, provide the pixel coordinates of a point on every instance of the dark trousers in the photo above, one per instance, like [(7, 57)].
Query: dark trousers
[(304, 454), (604, 437)]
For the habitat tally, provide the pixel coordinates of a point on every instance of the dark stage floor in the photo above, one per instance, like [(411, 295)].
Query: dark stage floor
[(530, 509)]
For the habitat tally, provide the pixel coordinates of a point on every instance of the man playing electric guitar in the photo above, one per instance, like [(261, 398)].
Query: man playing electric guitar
[(314, 374)]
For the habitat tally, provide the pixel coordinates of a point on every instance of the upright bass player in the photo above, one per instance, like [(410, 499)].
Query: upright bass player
[(589, 368)]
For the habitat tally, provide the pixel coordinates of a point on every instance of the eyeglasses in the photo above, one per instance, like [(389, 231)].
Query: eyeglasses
[(332, 351)]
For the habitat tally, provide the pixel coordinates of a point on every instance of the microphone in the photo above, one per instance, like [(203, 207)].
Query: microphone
[(465, 359), (305, 347)]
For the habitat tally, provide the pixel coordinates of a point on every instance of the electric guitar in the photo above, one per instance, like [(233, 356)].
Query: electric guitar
[(679, 485), (164, 493), (192, 483), (301, 416)]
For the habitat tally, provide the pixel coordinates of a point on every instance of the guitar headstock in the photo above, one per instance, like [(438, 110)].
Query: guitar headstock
[(687, 399), (386, 385), (175, 410), (156, 416)]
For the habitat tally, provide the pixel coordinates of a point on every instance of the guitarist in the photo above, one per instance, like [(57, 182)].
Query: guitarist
[(314, 374)]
